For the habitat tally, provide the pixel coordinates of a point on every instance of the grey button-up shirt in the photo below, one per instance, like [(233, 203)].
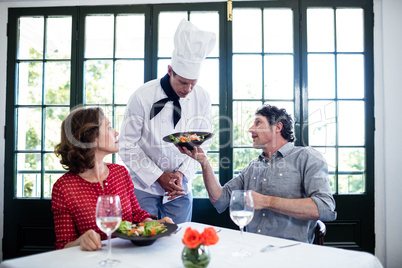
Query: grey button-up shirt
[(292, 172)]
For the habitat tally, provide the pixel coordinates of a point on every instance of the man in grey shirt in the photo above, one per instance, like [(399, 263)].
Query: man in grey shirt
[(289, 183)]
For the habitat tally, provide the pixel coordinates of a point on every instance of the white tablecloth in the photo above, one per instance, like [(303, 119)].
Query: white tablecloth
[(166, 252)]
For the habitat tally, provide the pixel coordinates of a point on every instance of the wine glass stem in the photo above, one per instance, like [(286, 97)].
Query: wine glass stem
[(241, 237), (109, 247)]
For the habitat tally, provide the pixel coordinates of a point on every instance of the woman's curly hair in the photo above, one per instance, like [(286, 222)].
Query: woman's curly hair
[(276, 115), (78, 133)]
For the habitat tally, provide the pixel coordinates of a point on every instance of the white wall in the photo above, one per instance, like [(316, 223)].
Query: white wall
[(388, 95)]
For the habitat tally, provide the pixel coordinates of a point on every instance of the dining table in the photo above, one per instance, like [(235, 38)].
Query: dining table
[(166, 252)]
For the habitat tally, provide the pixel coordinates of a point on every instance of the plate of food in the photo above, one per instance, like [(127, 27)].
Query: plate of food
[(188, 139), (144, 234)]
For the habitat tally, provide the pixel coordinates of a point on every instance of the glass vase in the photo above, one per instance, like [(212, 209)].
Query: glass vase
[(195, 257)]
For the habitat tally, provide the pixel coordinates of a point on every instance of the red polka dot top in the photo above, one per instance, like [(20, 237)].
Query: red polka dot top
[(74, 203)]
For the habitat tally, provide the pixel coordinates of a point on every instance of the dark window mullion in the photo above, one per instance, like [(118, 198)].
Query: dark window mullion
[(262, 57), (43, 110), (114, 79), (78, 94), (301, 84), (225, 95), (336, 107)]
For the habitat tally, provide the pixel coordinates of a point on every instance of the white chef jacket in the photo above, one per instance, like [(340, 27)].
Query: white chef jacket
[(141, 144)]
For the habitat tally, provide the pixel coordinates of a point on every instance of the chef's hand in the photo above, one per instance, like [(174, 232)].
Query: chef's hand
[(178, 180), (170, 182)]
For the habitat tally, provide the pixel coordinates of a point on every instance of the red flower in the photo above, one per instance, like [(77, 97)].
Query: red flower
[(209, 236), (192, 238)]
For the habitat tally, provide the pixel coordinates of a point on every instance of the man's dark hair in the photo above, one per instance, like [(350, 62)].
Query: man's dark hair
[(276, 115)]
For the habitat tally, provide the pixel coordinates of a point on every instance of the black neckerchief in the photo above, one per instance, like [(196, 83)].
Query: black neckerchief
[(171, 96)]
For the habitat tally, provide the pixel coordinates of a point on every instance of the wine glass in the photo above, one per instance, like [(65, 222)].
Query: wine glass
[(108, 219), (241, 213)]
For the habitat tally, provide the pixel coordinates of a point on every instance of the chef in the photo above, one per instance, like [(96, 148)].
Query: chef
[(175, 103)]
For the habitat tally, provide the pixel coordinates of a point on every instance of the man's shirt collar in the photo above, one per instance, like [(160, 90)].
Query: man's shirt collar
[(283, 151)]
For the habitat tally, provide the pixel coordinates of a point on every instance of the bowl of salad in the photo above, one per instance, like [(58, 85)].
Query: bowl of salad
[(144, 234), (188, 139)]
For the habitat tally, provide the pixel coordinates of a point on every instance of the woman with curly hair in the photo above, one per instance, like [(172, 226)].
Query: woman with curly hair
[(86, 138)]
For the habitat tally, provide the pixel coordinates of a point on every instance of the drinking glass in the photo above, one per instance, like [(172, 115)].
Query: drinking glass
[(241, 213), (108, 219)]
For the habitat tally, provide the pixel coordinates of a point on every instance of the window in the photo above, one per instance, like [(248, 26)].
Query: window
[(43, 67), (113, 63), (263, 71), (99, 58), (336, 95)]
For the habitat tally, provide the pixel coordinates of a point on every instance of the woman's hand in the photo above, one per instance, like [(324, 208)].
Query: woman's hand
[(90, 241), (165, 220)]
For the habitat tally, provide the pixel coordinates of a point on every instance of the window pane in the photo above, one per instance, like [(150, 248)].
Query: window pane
[(29, 161), (119, 117), (321, 123), (99, 31), (247, 82), (351, 159), (214, 160), (278, 77), (329, 155), (350, 76), (278, 30), (130, 36), (129, 77), (242, 157), (57, 82), (247, 30), (163, 67), (351, 123), (29, 83), (28, 185), (332, 183), (349, 30), (243, 119), (351, 184), (209, 78), (49, 180), (30, 38), (168, 22), (321, 76), (29, 128), (52, 162), (208, 21), (58, 42), (98, 81), (320, 30), (54, 117), (215, 128), (198, 188)]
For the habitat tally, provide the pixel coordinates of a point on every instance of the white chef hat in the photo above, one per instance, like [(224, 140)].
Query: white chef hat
[(191, 47)]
